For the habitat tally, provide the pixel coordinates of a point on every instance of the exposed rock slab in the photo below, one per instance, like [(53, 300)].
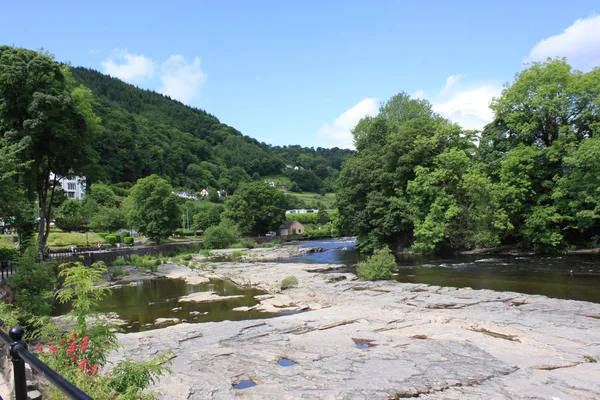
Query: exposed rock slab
[(424, 341), (206, 297)]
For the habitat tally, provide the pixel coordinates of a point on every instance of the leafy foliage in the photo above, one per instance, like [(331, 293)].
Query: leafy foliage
[(154, 210), (379, 266), (420, 181)]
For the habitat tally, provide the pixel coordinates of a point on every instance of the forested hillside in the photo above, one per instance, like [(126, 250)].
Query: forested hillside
[(144, 133), (530, 179)]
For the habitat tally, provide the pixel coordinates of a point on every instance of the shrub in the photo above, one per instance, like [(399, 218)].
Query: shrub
[(248, 243), (205, 253), (111, 239), (379, 266), (8, 254), (102, 234), (238, 253), (288, 282), (157, 262), (123, 235), (186, 257), (220, 236), (119, 262), (272, 244), (117, 272), (128, 240)]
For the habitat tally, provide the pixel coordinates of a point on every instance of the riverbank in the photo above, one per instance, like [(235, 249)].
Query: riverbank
[(379, 340)]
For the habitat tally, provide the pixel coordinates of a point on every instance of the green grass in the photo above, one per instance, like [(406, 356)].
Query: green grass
[(311, 199), (5, 244), (59, 238), (237, 253)]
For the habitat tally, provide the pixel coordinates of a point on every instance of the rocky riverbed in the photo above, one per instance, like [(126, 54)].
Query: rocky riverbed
[(378, 340)]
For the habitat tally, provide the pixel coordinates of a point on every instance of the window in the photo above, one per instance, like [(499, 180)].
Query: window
[(71, 195), (70, 186)]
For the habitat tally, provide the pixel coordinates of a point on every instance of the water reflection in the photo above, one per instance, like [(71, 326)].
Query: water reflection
[(142, 304)]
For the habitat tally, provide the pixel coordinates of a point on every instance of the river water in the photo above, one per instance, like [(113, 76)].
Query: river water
[(575, 277)]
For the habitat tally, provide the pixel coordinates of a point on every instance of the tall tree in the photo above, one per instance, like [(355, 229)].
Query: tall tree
[(43, 113), (154, 209), (256, 208)]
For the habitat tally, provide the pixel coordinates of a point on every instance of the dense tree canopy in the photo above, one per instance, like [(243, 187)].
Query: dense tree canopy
[(154, 210), (49, 120), (256, 208), (145, 133), (533, 180)]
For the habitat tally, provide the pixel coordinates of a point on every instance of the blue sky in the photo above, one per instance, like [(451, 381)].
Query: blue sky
[(304, 72)]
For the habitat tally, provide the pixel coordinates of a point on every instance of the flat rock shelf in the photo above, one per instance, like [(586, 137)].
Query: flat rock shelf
[(380, 340)]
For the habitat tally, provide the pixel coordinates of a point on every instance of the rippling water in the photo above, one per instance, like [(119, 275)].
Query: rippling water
[(574, 277)]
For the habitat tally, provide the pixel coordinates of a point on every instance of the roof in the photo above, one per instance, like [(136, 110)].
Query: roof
[(288, 224)]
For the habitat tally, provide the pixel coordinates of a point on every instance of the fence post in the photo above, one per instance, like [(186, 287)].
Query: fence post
[(16, 334)]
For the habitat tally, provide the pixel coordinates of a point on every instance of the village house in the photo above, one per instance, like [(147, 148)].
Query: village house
[(74, 187), (290, 228)]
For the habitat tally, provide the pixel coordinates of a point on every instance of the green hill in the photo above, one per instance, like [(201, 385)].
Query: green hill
[(144, 133)]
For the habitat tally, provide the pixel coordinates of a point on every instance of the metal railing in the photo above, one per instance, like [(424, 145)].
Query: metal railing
[(20, 355), (7, 268)]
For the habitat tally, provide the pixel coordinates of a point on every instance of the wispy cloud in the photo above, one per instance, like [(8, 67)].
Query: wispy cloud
[(182, 80), (580, 43), (468, 106), (338, 133), (129, 67)]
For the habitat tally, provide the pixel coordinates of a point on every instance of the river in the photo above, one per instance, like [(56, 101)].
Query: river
[(575, 277)]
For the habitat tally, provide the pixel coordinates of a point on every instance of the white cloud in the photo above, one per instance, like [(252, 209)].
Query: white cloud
[(129, 67), (338, 133), (451, 82), (469, 107), (419, 94), (181, 80), (580, 43)]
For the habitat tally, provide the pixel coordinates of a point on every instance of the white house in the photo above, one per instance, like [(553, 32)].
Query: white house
[(74, 187), (186, 195)]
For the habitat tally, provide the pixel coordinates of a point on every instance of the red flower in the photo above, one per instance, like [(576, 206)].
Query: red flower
[(74, 358), (73, 336), (39, 347), (63, 341), (84, 348), (94, 370), (53, 349), (83, 365), (85, 340)]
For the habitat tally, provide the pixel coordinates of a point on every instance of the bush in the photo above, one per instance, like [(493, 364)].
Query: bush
[(273, 243), (117, 272), (238, 253), (290, 281), (128, 240), (186, 257), (123, 235), (220, 236), (307, 218), (102, 234), (119, 262), (112, 239), (379, 266), (8, 254), (248, 244), (205, 253)]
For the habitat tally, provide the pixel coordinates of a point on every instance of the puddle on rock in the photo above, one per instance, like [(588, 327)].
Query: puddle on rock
[(363, 343), (152, 301), (244, 384), (284, 362)]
